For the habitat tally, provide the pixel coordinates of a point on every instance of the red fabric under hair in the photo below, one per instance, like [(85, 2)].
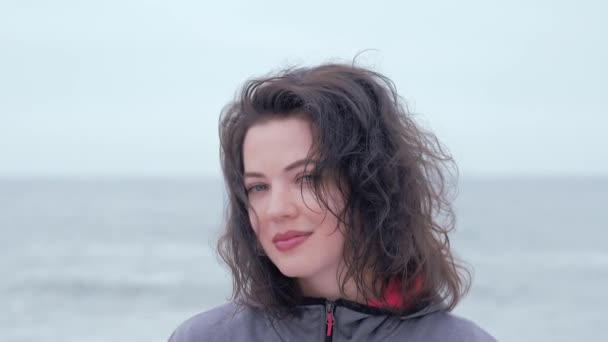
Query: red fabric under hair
[(393, 298)]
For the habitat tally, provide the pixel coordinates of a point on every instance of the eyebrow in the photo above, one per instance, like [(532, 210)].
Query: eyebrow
[(290, 167)]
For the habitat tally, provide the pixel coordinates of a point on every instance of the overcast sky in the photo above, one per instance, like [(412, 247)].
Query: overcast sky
[(134, 87)]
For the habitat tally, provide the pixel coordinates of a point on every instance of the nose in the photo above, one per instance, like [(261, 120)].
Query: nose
[(281, 204)]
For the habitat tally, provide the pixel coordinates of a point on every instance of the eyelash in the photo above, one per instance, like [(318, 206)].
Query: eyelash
[(309, 179), (252, 188)]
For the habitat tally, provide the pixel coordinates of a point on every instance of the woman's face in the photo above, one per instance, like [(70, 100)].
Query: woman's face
[(297, 232)]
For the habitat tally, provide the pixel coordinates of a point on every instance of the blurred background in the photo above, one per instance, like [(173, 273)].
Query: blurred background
[(110, 187)]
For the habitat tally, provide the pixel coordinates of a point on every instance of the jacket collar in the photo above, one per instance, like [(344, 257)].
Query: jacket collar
[(310, 303), (393, 299), (349, 320)]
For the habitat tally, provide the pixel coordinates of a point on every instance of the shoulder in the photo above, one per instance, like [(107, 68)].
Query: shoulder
[(445, 326), (217, 323)]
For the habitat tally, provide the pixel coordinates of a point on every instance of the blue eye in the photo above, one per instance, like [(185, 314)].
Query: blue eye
[(257, 188)]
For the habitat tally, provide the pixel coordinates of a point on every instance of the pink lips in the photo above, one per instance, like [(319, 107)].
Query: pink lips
[(289, 240)]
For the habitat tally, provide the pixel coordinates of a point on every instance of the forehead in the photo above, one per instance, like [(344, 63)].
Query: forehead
[(277, 142)]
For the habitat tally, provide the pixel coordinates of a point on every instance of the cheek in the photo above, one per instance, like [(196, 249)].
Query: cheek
[(333, 200), (254, 221), (325, 216), (310, 205), (331, 246)]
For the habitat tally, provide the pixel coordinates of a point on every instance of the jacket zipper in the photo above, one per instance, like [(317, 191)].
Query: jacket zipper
[(329, 320)]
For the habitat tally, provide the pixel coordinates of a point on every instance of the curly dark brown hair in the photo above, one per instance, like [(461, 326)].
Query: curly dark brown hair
[(393, 174)]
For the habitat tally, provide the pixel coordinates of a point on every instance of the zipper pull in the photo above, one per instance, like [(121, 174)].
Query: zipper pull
[(329, 314)]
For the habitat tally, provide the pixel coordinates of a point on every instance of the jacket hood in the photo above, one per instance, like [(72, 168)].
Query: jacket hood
[(350, 322), (393, 299), (309, 303)]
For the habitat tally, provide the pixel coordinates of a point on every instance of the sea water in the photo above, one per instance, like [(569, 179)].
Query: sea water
[(128, 260)]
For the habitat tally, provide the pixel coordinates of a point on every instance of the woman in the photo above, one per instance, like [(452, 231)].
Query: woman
[(337, 219)]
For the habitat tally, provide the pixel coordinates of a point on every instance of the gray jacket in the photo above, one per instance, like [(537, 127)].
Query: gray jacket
[(349, 322)]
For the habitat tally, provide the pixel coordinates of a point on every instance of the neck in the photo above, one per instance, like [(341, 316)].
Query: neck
[(328, 287)]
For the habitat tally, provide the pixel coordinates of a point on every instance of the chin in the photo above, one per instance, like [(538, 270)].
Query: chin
[(295, 269)]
